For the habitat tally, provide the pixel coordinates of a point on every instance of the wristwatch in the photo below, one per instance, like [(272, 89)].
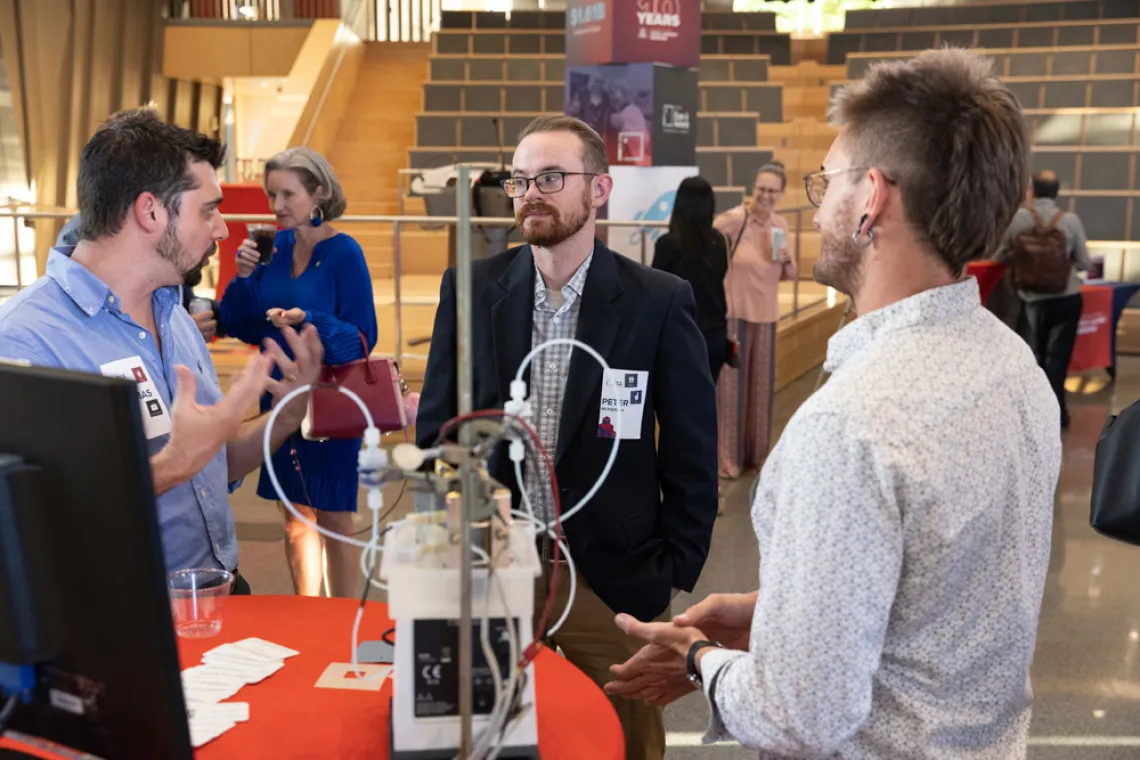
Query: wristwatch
[(691, 671)]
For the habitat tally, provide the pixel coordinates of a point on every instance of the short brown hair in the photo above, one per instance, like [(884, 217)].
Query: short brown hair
[(315, 173), (593, 148), (952, 137), (132, 153)]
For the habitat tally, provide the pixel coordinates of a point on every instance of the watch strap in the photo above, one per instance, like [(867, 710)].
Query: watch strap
[(691, 671)]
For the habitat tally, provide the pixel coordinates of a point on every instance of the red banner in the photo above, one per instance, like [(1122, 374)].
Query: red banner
[(237, 199), (633, 31), (1094, 336)]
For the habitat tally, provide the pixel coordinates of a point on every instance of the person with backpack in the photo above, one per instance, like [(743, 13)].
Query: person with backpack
[(1046, 247)]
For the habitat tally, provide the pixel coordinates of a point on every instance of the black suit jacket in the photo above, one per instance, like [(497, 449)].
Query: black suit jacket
[(648, 529)]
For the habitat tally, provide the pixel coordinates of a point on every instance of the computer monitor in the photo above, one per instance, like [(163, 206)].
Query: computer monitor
[(90, 603)]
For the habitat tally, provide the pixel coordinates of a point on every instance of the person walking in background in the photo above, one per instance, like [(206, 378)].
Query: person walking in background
[(696, 251), (1047, 247), (759, 260), (316, 276)]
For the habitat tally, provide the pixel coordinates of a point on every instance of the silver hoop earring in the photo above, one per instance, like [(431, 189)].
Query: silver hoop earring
[(863, 243)]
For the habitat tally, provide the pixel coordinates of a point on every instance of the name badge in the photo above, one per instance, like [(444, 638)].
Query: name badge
[(155, 416), (623, 402)]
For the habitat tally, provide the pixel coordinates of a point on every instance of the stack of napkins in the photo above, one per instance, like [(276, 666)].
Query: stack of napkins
[(224, 670)]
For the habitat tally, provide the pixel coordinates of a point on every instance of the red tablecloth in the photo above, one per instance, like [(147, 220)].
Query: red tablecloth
[(989, 274), (289, 718), (1093, 349)]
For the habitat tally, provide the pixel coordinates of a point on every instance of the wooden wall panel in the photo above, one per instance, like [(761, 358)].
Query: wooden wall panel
[(73, 63)]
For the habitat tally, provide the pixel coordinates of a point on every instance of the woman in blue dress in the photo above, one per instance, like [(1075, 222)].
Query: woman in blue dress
[(317, 275)]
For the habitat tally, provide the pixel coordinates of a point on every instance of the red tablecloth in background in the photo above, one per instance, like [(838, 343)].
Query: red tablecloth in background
[(289, 718), (1093, 349), (237, 199), (989, 274)]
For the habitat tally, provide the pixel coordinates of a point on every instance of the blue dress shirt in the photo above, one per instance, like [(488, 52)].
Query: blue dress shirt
[(70, 319)]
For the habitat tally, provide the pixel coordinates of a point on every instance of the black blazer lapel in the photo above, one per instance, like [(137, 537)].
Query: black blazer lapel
[(598, 324), (512, 318)]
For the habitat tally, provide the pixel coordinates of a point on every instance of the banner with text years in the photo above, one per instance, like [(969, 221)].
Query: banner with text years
[(644, 112), (633, 31), (643, 193), (1093, 349)]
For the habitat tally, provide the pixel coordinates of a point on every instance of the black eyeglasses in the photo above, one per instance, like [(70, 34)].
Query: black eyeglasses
[(546, 182)]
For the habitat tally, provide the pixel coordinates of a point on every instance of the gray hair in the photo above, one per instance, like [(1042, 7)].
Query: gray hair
[(316, 175)]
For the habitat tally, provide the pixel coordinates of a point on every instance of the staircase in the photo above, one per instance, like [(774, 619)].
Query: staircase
[(371, 147)]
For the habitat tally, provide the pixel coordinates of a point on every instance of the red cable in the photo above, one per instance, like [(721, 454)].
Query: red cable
[(532, 650)]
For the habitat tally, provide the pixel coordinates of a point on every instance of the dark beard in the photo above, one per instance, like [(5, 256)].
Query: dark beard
[(840, 263), (194, 276), (170, 250), (558, 229)]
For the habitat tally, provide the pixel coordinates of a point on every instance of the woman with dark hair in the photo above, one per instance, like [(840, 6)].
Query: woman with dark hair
[(758, 249), (695, 251)]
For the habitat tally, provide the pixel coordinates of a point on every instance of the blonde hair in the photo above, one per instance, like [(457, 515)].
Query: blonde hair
[(316, 175)]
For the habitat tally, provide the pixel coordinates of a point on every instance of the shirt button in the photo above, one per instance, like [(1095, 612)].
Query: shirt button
[(142, 336), (549, 412), (555, 320), (552, 366), (110, 299)]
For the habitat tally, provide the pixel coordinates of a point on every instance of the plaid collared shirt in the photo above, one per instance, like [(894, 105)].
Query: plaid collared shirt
[(548, 373)]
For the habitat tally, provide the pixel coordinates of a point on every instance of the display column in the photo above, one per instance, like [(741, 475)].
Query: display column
[(631, 75)]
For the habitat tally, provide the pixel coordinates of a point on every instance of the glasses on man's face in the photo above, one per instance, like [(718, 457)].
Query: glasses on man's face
[(546, 182), (816, 182)]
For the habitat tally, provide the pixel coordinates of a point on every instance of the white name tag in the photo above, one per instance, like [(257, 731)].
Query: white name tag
[(623, 401), (155, 416)]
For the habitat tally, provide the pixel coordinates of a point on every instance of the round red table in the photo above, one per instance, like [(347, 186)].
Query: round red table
[(290, 718)]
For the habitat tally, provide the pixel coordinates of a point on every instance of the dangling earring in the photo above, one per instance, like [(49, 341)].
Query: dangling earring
[(870, 234), (317, 216)]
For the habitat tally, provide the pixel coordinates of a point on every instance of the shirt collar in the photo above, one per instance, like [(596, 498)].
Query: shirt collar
[(89, 292), (572, 290), (930, 307)]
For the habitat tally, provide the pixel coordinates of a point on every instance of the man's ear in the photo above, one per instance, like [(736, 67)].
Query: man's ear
[(603, 187), (149, 213), (877, 200)]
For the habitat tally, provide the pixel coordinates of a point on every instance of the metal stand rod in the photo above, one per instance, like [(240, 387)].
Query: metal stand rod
[(469, 478), (398, 274)]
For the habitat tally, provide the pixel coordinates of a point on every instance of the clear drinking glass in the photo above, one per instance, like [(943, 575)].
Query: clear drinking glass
[(197, 599)]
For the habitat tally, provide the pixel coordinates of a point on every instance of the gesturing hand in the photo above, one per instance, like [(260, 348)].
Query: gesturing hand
[(724, 618), (303, 369), (656, 674), (282, 318), (198, 432)]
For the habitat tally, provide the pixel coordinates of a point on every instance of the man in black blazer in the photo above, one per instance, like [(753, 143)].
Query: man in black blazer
[(645, 535)]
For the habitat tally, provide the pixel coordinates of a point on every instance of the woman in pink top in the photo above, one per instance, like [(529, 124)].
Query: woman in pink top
[(757, 238)]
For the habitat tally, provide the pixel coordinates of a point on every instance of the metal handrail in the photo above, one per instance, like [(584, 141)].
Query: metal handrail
[(32, 213), (341, 54)]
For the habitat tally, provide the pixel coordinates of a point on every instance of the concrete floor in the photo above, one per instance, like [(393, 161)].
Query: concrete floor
[(1086, 674)]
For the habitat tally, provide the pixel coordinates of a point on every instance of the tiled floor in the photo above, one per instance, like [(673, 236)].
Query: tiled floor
[(1087, 669)]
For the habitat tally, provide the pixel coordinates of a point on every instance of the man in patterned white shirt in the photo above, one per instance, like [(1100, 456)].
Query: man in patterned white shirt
[(904, 518), (646, 532)]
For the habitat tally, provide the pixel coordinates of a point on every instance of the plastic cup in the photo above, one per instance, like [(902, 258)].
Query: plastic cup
[(200, 306), (264, 236), (197, 599)]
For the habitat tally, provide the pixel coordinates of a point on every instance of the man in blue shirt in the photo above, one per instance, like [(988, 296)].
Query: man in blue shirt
[(148, 202)]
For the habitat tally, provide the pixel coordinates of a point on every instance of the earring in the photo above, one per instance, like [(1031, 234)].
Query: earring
[(317, 216), (870, 234)]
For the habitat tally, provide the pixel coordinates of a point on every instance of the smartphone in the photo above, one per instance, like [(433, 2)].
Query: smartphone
[(777, 243)]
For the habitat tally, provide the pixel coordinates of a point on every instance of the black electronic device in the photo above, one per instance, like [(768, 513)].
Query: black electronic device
[(83, 599)]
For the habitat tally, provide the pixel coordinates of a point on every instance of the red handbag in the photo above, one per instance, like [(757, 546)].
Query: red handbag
[(334, 415)]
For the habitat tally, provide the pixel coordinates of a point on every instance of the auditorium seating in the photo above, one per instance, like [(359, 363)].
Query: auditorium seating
[(490, 76), (1034, 35), (968, 14), (1045, 62)]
